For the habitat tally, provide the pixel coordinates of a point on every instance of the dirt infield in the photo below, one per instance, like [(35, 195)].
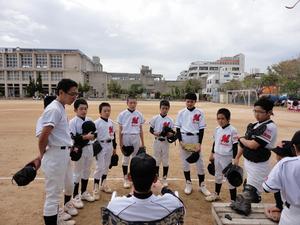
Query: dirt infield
[(19, 145)]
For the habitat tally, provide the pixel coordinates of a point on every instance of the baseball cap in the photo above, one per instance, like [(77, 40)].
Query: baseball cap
[(296, 138), (284, 148)]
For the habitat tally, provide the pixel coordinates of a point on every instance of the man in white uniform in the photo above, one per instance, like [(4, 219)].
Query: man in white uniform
[(285, 177), (130, 133), (54, 144), (143, 205), (190, 124)]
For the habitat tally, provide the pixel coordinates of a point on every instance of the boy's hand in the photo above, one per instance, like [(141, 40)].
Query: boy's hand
[(156, 134), (114, 151), (236, 161), (90, 136), (198, 148), (156, 187), (211, 157)]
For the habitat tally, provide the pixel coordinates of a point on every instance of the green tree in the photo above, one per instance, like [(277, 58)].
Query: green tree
[(192, 85), (39, 84), (83, 88), (232, 85), (136, 89), (114, 89), (251, 83), (31, 88)]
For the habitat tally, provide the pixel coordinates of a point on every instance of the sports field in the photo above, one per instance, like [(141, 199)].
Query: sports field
[(18, 145)]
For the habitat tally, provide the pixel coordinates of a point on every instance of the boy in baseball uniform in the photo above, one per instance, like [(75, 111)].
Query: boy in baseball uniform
[(256, 148), (130, 133), (160, 144), (285, 177), (224, 150), (54, 145), (190, 124), (82, 167), (107, 139)]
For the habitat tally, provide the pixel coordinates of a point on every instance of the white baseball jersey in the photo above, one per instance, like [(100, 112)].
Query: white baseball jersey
[(190, 121), (38, 127), (158, 122), (54, 115), (285, 177), (149, 209), (105, 129), (130, 121), (270, 134), (76, 125), (224, 139)]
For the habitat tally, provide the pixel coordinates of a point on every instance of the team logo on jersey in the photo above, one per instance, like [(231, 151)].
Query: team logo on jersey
[(135, 120), (166, 124), (110, 130), (196, 118), (225, 139), (267, 134)]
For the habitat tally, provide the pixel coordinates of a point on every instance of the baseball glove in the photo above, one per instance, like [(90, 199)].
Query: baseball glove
[(114, 161), (234, 174), (27, 174), (127, 150), (241, 205), (193, 157), (97, 148), (211, 167), (165, 131), (75, 153), (190, 147)]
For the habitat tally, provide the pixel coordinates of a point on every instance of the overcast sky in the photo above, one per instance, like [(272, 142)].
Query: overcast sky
[(165, 34)]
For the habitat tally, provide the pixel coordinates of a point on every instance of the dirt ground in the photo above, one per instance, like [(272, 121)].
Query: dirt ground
[(18, 145)]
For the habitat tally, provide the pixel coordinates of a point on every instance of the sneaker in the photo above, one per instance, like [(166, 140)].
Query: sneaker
[(164, 182), (96, 193), (188, 187), (70, 209), (105, 188), (212, 197), (63, 222), (204, 190), (126, 182), (77, 202), (63, 215), (86, 196)]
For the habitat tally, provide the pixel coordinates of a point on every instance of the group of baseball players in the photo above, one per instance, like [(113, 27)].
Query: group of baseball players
[(57, 136)]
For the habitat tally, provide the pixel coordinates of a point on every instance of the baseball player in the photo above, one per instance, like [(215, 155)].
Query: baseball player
[(82, 167), (256, 150), (160, 144), (190, 124), (130, 133), (107, 139), (143, 205), (285, 177), (224, 150), (54, 144)]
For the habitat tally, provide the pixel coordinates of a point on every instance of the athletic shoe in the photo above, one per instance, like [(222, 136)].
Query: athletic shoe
[(105, 188), (70, 209), (96, 193), (188, 187), (63, 222), (126, 182), (204, 190), (63, 215), (77, 202), (86, 196), (212, 197), (164, 182)]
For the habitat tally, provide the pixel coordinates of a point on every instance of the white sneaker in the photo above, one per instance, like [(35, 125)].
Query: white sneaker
[(70, 209), (212, 197), (78, 204), (96, 193), (86, 196), (63, 215), (63, 222), (188, 187), (165, 182), (204, 190), (126, 182), (105, 188)]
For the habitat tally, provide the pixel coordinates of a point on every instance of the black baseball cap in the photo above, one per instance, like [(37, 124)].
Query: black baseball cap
[(284, 149), (296, 138)]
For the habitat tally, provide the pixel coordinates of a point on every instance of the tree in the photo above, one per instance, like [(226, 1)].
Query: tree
[(192, 85), (39, 84), (83, 88), (232, 85), (31, 87), (114, 89), (251, 83), (136, 89)]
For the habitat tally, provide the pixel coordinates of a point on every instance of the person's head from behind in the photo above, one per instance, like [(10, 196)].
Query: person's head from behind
[(284, 149), (131, 102), (48, 99), (223, 117), (190, 100), (263, 109), (81, 107), (164, 107), (67, 91), (296, 142), (143, 172), (104, 110)]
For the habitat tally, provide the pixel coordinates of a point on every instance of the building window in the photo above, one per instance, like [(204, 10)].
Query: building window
[(217, 81), (193, 68), (56, 76), (203, 68), (1, 60), (26, 60), (235, 68), (44, 76), (2, 75), (41, 61), (11, 60), (26, 75), (56, 61), (213, 68), (12, 75)]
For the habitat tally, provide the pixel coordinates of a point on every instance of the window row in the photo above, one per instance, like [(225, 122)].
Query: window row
[(25, 75)]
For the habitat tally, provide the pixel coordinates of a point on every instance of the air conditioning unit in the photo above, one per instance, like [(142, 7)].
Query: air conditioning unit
[(38, 66)]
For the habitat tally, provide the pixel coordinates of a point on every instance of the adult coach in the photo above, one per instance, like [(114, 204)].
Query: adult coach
[(54, 143), (285, 177)]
